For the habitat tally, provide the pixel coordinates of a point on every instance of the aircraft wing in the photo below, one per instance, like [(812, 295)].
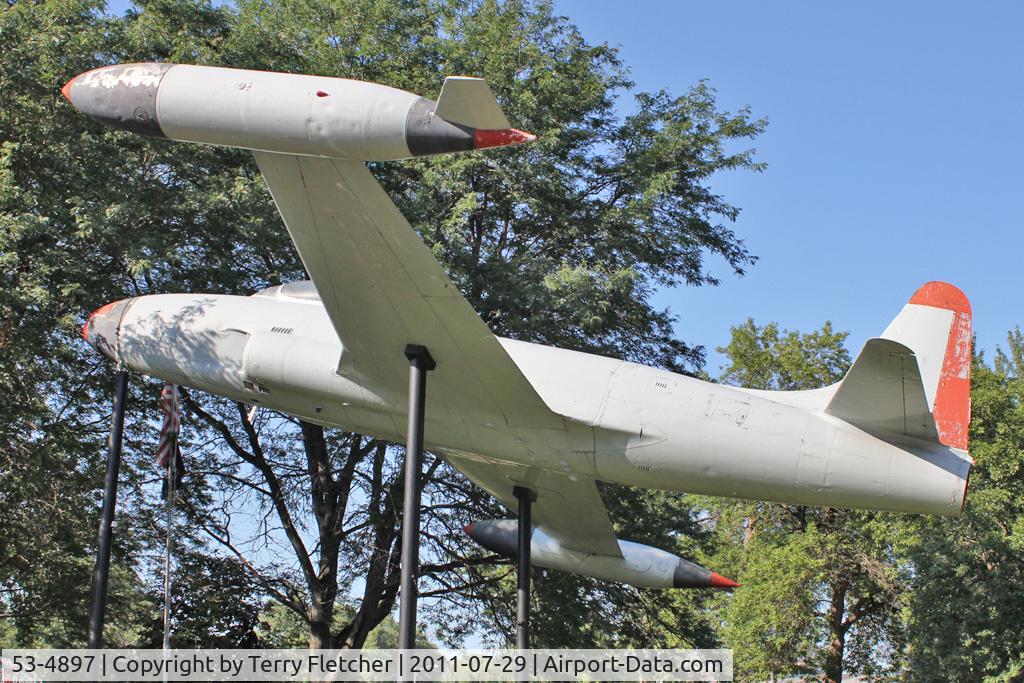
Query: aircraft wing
[(568, 509), (383, 289)]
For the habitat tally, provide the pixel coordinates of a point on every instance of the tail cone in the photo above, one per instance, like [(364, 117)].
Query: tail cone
[(500, 138), (719, 581)]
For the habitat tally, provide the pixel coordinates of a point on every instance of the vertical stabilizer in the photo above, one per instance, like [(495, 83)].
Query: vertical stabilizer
[(915, 378), (936, 325)]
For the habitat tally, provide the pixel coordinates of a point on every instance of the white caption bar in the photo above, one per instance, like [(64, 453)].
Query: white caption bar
[(365, 665)]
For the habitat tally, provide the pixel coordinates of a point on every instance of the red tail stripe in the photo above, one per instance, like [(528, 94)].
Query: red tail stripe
[(952, 408), (953, 399)]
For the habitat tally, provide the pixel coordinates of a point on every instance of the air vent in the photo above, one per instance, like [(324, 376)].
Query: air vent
[(282, 330), (249, 385), (262, 389), (644, 468)]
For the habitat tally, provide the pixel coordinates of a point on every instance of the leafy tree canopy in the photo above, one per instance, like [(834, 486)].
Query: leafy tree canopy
[(966, 605)]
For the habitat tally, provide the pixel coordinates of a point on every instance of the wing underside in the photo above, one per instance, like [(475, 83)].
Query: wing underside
[(568, 508), (383, 289)]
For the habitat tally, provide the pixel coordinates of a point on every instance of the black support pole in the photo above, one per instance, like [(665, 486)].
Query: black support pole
[(525, 530), (420, 363), (101, 571)]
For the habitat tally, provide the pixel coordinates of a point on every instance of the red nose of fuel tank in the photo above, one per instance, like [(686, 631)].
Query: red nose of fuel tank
[(100, 330)]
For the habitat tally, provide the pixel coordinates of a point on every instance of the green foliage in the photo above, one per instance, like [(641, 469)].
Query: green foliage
[(385, 636), (216, 604), (279, 627), (822, 587), (967, 605), (772, 617), (784, 360), (50, 269)]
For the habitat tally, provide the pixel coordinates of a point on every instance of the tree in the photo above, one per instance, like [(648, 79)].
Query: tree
[(966, 605), (216, 604), (54, 262), (561, 243), (823, 587), (784, 360), (281, 627)]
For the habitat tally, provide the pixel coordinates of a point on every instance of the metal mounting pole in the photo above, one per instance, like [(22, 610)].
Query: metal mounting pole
[(420, 363), (526, 498), (101, 571), (172, 482)]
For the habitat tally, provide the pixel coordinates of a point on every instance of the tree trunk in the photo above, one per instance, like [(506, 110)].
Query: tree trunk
[(833, 668), (328, 498), (320, 625), (381, 580)]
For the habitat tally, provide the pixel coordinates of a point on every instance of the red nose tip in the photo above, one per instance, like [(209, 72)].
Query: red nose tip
[(66, 90), (468, 529), (500, 138), (719, 581)]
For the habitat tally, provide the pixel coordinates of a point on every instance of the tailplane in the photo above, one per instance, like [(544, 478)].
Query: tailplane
[(915, 378)]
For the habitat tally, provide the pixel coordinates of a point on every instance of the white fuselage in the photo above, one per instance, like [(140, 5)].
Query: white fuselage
[(625, 423)]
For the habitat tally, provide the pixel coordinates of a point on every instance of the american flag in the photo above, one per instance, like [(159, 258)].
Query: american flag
[(171, 426)]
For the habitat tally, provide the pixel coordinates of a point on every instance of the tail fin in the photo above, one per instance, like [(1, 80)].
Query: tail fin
[(915, 379), (470, 102)]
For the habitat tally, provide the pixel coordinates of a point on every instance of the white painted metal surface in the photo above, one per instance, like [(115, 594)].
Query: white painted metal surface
[(470, 102), (283, 112), (620, 422), (633, 563)]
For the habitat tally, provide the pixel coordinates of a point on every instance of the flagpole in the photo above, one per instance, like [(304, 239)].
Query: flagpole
[(171, 474)]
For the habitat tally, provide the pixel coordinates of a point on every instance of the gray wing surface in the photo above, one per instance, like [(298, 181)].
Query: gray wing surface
[(382, 289), (568, 509)]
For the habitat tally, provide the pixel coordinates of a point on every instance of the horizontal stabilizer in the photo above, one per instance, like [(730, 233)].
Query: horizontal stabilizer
[(470, 102), (883, 392)]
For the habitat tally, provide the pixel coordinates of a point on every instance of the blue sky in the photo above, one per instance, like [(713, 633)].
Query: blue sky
[(894, 148)]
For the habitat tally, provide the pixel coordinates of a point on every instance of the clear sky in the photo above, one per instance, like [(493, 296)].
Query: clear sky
[(894, 145)]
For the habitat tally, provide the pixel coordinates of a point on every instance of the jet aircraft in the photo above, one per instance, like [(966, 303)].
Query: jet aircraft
[(892, 435)]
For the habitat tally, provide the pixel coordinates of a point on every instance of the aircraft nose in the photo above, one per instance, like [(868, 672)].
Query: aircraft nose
[(100, 330)]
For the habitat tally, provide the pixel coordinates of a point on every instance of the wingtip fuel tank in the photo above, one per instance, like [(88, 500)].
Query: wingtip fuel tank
[(639, 565), (121, 96), (101, 327), (280, 112)]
